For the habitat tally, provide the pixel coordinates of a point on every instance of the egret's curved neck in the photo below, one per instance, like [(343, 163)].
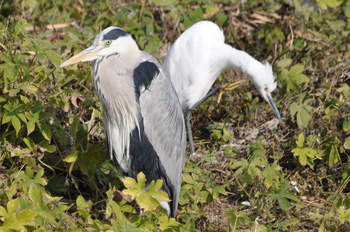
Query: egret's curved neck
[(242, 60)]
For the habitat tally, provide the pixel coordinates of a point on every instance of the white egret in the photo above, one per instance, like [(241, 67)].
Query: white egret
[(198, 57)]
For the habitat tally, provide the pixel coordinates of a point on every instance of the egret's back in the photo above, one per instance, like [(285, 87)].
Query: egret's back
[(192, 61)]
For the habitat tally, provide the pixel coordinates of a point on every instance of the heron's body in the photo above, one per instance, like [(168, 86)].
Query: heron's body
[(198, 57), (142, 115)]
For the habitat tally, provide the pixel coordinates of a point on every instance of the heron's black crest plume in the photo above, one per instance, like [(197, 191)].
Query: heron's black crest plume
[(114, 34), (144, 74)]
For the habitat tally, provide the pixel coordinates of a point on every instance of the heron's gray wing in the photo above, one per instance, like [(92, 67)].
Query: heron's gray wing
[(164, 124)]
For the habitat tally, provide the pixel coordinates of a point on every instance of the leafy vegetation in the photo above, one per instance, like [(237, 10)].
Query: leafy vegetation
[(249, 172)]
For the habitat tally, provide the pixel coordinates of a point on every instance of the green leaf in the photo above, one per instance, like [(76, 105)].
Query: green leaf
[(11, 224), (302, 155), (30, 144), (282, 196), (302, 110), (54, 57), (283, 203), (270, 173), (11, 72), (38, 179), (296, 70), (45, 130), (344, 215), (236, 218), (186, 178), (49, 148), (346, 125), (16, 123), (284, 63), (84, 209), (168, 223), (218, 190), (334, 156)]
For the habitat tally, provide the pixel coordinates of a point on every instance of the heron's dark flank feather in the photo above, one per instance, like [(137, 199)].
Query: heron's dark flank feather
[(144, 74), (149, 162)]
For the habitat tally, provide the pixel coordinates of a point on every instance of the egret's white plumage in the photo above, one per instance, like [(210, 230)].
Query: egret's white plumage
[(198, 57)]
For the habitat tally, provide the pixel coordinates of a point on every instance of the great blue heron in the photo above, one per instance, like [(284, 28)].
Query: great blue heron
[(198, 57), (142, 116)]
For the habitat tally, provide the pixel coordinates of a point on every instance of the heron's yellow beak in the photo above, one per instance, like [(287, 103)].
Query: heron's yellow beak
[(89, 54)]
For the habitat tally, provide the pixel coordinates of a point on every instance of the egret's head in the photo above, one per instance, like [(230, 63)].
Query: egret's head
[(264, 80), (111, 41)]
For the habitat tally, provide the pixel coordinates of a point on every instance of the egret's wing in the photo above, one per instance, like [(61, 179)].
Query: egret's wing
[(164, 125)]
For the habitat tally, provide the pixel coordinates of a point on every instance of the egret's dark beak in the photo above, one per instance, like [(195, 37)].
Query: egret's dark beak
[(273, 106), (89, 54)]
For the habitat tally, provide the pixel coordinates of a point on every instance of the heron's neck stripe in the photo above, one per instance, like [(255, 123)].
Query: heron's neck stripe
[(144, 74)]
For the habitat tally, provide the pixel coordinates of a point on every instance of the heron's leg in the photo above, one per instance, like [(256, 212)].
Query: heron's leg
[(189, 130)]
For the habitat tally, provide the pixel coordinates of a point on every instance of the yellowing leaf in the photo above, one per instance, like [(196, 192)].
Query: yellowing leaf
[(71, 158), (30, 127), (3, 212), (347, 143), (149, 200), (26, 216), (36, 195), (29, 88), (146, 199), (12, 206), (168, 223), (301, 139), (134, 188), (331, 3)]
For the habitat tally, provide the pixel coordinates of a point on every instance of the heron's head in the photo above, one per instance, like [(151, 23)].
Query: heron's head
[(111, 41)]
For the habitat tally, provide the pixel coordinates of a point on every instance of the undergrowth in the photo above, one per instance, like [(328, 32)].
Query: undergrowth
[(249, 172)]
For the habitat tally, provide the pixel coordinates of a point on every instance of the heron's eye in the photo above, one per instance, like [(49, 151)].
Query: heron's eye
[(108, 42)]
